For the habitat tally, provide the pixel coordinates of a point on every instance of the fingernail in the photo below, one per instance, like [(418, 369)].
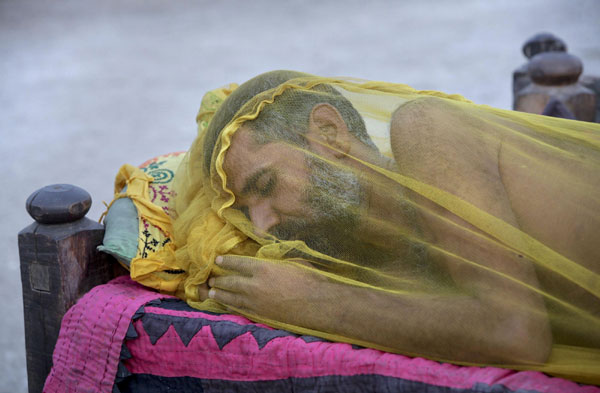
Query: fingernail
[(211, 282), (211, 294), (218, 260)]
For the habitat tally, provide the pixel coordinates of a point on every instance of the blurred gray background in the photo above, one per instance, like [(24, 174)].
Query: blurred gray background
[(86, 86)]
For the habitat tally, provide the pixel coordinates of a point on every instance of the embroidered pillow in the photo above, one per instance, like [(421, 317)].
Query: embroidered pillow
[(139, 220), (129, 235)]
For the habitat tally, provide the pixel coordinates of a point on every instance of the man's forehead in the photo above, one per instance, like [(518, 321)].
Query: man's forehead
[(246, 157), (243, 140)]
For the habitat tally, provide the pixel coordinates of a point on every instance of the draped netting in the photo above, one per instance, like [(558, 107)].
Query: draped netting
[(414, 222)]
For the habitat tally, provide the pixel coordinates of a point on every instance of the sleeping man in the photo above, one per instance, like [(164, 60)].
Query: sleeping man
[(465, 234)]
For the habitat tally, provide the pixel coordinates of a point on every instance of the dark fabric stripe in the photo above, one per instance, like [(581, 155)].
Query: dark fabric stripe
[(156, 325), (145, 383), (328, 384), (178, 305)]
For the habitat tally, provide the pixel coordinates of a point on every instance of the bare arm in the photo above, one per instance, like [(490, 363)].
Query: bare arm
[(462, 327), (434, 142)]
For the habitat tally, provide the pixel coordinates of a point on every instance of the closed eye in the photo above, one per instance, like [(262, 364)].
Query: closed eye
[(267, 189), (260, 183)]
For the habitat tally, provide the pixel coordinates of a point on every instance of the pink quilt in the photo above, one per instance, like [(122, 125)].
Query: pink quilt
[(122, 337)]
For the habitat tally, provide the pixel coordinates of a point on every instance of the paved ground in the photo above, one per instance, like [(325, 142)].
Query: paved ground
[(86, 86)]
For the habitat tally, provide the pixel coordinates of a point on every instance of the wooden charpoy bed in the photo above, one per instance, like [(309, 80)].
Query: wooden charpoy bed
[(123, 337)]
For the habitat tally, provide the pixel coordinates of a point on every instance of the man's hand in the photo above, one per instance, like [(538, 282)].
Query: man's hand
[(283, 291), (452, 327)]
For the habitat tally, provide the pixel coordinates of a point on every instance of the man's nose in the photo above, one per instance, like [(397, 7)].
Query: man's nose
[(263, 216)]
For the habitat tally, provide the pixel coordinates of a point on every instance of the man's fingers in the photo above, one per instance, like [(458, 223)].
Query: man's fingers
[(230, 283), (203, 291), (227, 298), (245, 265)]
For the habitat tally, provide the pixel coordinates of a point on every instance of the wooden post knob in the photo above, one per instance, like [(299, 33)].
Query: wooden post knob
[(555, 69), (58, 204), (543, 42)]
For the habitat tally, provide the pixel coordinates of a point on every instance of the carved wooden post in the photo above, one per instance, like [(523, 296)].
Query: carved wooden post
[(593, 83), (555, 77), (539, 43), (59, 263)]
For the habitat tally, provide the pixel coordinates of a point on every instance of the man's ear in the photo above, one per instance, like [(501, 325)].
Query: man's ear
[(327, 131)]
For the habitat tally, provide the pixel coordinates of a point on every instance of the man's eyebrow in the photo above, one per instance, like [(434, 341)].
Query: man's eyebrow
[(250, 184)]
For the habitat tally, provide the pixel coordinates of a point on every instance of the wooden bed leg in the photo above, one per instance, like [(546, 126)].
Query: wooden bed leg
[(59, 263)]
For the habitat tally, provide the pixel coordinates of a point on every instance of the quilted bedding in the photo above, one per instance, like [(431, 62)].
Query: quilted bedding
[(121, 337)]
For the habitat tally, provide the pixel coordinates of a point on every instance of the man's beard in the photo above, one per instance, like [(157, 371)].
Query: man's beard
[(333, 197)]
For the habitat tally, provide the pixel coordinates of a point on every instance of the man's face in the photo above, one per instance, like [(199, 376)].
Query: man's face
[(291, 194)]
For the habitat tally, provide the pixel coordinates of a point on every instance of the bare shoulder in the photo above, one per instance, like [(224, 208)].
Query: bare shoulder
[(437, 141), (428, 127)]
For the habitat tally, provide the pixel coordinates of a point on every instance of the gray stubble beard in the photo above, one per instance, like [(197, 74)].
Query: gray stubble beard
[(333, 197)]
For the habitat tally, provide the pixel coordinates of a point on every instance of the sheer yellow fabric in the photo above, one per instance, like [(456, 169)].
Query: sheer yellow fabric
[(408, 221)]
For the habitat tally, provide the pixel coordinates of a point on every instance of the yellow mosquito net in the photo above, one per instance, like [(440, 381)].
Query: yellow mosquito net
[(409, 221)]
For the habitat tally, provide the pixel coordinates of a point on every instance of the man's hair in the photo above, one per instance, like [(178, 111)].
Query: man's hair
[(236, 100), (287, 118)]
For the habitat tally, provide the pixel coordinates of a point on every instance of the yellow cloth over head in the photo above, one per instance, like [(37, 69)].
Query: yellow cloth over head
[(414, 222)]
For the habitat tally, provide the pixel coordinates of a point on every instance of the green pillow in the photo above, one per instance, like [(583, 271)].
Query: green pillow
[(126, 236), (121, 231)]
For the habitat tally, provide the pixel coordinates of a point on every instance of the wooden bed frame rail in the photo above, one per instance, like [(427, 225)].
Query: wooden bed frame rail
[(59, 263)]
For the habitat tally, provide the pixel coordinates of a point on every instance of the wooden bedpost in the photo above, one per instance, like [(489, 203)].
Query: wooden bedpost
[(539, 43), (59, 263), (555, 75), (550, 82)]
